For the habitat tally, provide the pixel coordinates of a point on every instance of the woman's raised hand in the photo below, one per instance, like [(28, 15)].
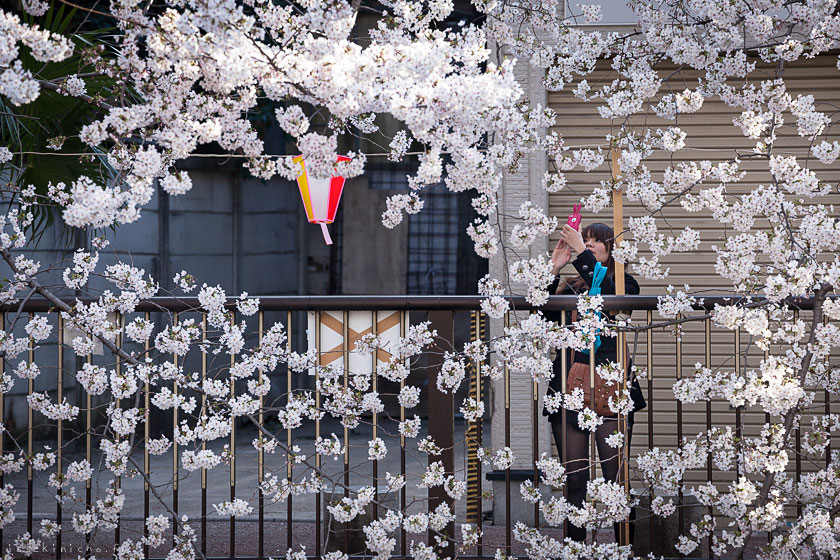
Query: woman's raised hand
[(573, 239), (561, 256)]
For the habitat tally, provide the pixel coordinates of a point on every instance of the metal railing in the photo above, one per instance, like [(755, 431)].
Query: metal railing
[(456, 319)]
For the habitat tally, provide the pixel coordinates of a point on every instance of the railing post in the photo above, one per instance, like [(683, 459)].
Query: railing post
[(441, 421)]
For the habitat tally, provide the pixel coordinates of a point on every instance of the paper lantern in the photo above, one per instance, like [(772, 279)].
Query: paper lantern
[(320, 197)]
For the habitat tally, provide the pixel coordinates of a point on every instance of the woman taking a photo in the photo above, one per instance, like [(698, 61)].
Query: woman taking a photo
[(591, 246)]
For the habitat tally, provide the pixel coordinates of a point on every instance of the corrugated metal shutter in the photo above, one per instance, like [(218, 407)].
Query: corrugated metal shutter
[(711, 135)]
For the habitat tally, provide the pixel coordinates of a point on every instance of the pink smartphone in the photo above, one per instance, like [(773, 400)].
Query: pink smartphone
[(574, 217)]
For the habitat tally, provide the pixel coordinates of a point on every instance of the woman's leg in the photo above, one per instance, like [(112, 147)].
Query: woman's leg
[(610, 465), (632, 509), (576, 462)]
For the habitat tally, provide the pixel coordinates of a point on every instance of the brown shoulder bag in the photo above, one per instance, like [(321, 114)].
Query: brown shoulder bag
[(578, 377)]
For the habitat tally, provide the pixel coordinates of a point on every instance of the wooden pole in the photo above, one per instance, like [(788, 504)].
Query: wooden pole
[(618, 229), (618, 221)]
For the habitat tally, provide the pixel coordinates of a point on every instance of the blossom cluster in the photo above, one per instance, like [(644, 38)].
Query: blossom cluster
[(198, 70)]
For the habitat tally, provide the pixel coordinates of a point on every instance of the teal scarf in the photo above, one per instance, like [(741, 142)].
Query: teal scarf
[(594, 290)]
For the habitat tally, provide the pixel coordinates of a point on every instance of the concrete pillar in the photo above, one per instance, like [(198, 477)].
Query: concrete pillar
[(516, 189)]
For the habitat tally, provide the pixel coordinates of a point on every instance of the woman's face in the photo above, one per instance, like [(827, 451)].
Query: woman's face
[(599, 249)]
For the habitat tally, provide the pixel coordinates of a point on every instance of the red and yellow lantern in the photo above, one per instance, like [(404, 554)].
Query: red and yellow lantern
[(320, 197)]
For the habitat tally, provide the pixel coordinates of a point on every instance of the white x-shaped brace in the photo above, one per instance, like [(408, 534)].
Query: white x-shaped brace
[(334, 324)]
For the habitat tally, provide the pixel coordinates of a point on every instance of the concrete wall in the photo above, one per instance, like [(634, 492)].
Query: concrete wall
[(373, 258), (516, 189)]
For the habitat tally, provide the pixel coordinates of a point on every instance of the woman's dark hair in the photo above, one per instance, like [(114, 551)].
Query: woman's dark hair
[(599, 232)]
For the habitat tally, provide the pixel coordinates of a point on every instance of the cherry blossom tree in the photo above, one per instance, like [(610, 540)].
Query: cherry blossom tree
[(182, 74)]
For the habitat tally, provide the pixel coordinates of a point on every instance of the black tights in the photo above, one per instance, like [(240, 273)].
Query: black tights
[(577, 465)]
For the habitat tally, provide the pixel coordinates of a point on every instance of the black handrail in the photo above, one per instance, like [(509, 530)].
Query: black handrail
[(411, 302)]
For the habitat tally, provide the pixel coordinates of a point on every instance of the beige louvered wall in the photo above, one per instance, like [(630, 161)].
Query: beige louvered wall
[(711, 135)]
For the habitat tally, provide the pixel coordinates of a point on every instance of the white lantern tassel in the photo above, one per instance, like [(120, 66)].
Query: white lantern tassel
[(326, 233)]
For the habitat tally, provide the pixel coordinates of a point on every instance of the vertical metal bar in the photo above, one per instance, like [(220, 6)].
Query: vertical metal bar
[(798, 447), (345, 340), (345, 351), (2, 412), (146, 464), (317, 432), (232, 551), (592, 447), (30, 438), (203, 441), (403, 537), (564, 367), (118, 368), (707, 327), (175, 445), (592, 451), (649, 340), (679, 423), (260, 457), (767, 421), (738, 427), (88, 489), (827, 412), (60, 429), (508, 523), (479, 397), (624, 467), (289, 431), (535, 445), (374, 331)]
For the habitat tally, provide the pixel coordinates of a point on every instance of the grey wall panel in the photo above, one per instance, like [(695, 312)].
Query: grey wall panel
[(140, 237), (373, 257), (268, 232), (211, 192), (269, 274), (209, 269), (199, 233)]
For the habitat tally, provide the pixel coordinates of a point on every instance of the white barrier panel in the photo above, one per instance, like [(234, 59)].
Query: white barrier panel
[(359, 324)]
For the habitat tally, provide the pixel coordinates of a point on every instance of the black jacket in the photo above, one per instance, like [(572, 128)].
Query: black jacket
[(585, 266)]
